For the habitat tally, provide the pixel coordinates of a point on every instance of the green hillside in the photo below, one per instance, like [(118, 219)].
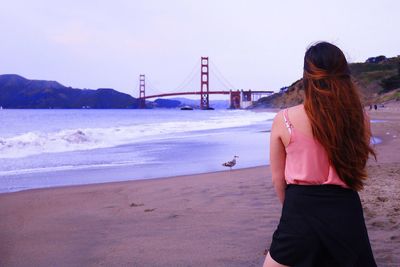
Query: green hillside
[(378, 82)]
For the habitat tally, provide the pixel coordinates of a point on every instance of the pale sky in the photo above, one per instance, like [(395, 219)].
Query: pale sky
[(256, 44)]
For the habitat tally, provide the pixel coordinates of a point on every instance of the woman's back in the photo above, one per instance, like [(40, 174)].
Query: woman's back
[(318, 155), (307, 161)]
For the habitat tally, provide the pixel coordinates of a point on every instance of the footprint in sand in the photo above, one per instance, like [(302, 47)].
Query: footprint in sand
[(133, 204), (379, 224), (382, 199), (149, 210)]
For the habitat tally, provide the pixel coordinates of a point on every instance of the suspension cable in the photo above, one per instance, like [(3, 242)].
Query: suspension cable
[(222, 76), (189, 78)]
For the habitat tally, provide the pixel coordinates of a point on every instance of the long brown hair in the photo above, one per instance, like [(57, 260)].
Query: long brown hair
[(337, 118)]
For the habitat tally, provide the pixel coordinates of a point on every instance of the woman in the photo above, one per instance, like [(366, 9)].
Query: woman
[(318, 156)]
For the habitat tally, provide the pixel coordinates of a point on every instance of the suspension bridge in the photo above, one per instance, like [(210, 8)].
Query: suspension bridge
[(238, 98)]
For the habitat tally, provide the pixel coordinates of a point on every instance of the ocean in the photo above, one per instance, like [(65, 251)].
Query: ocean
[(47, 148)]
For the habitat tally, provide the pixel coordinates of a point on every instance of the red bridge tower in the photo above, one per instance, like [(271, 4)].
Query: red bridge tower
[(204, 102), (142, 88)]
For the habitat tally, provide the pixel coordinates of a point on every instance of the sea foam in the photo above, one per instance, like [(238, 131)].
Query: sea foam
[(38, 142)]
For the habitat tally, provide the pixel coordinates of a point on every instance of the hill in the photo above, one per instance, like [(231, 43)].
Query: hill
[(19, 92), (378, 80), (166, 103)]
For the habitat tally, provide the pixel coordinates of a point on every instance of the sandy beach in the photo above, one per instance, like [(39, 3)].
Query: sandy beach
[(213, 219), (381, 196)]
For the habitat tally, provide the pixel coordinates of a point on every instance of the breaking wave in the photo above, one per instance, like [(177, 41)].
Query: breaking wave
[(38, 142)]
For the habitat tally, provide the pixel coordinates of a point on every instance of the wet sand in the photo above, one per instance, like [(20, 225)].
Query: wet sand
[(214, 219)]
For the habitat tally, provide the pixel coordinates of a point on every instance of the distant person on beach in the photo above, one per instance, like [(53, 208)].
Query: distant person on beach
[(318, 156)]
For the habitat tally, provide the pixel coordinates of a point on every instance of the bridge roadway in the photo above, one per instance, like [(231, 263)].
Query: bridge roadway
[(210, 93)]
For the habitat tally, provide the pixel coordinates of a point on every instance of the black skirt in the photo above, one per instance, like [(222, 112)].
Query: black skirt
[(321, 225)]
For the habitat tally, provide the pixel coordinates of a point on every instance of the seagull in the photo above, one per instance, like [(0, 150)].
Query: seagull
[(231, 163)]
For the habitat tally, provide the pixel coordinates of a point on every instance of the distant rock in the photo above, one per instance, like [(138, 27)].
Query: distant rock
[(166, 103), (19, 92), (195, 103)]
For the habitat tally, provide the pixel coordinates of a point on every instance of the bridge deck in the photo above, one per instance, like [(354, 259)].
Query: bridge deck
[(210, 93)]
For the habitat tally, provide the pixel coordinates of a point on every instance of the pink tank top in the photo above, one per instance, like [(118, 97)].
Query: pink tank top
[(307, 162)]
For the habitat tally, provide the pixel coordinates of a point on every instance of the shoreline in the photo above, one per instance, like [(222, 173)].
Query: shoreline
[(223, 218), (215, 140), (139, 180)]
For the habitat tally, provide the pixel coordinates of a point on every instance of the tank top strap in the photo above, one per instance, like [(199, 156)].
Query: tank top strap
[(289, 125)]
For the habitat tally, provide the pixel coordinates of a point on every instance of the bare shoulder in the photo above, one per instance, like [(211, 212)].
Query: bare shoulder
[(278, 119), (292, 111), (277, 124), (299, 119), (279, 133)]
